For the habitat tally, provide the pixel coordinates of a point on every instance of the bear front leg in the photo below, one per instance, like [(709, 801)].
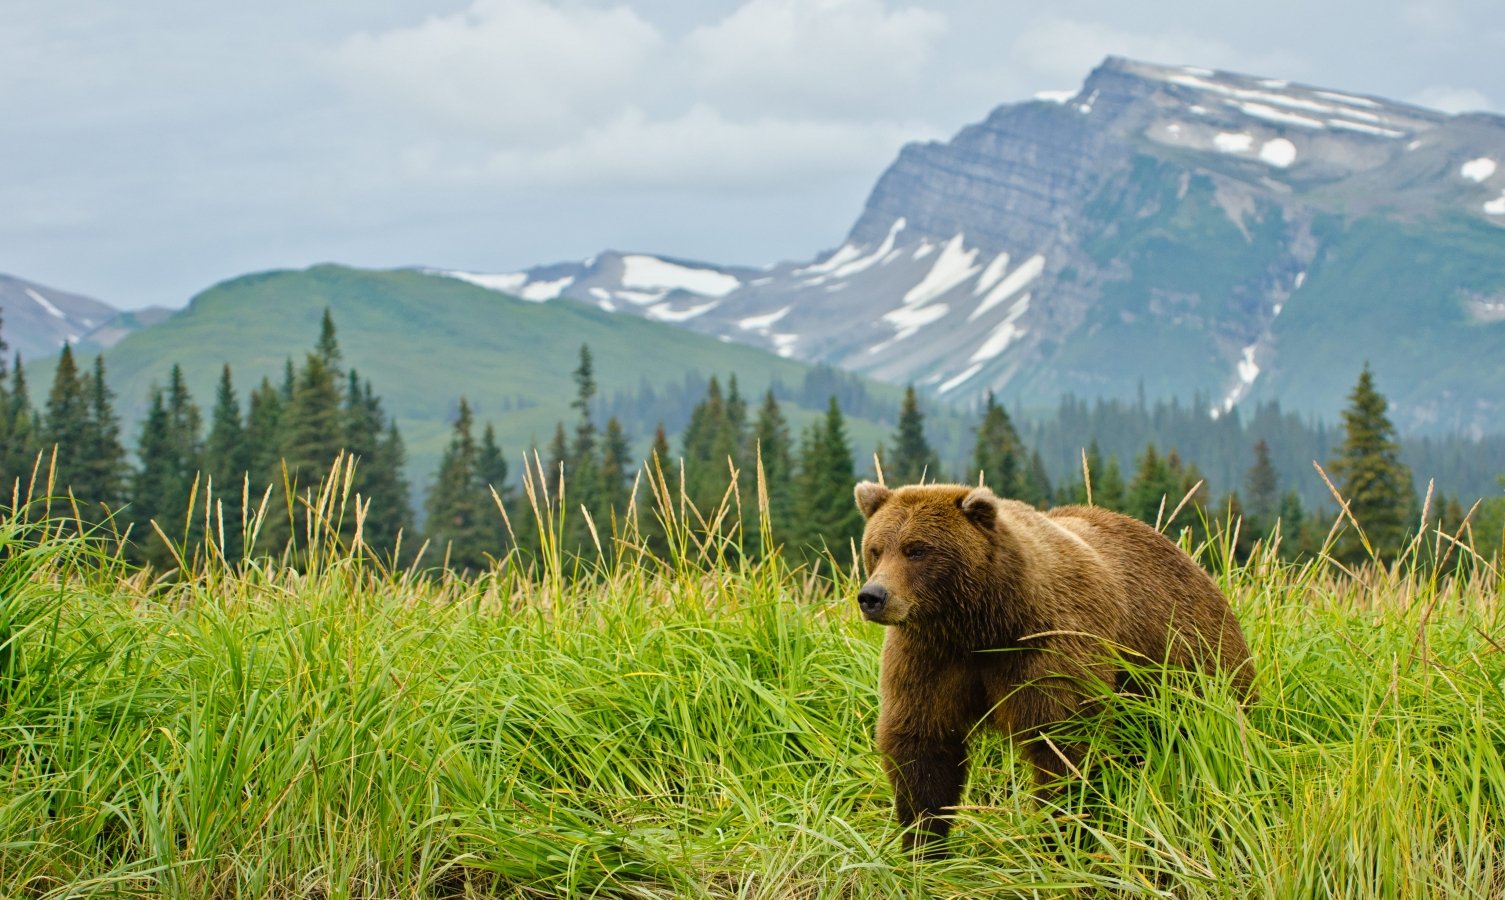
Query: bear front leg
[(927, 774)]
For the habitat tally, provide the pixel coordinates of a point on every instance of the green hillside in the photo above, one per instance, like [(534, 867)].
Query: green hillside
[(424, 340), (1408, 298)]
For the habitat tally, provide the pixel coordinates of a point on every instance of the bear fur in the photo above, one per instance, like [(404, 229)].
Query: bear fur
[(999, 614)]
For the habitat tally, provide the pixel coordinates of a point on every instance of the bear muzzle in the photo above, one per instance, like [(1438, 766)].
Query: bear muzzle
[(872, 600)]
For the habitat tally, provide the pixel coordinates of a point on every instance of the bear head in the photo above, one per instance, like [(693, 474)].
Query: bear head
[(925, 548)]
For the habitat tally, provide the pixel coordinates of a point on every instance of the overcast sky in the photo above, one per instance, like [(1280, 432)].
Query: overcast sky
[(150, 149)]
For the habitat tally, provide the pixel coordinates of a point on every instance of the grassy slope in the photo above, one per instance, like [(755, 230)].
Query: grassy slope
[(1392, 294), (701, 731), (423, 341)]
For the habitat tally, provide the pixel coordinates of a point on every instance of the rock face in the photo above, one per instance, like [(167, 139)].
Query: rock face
[(1170, 231)]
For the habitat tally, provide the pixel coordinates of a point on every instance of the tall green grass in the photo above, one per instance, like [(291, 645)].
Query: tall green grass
[(324, 725)]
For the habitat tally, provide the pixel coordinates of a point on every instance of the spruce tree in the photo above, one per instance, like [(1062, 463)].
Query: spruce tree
[(264, 438), (1262, 492), (1371, 477), (492, 467), (103, 468), (170, 460), (379, 479), (311, 424), (584, 462), (456, 516), (912, 459), (1153, 492), (998, 453), (65, 426), (826, 515), (712, 445), (1037, 485), (19, 452), (771, 434), (227, 459), (651, 517), (616, 469)]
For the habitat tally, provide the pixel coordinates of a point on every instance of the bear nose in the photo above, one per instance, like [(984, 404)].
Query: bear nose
[(871, 599)]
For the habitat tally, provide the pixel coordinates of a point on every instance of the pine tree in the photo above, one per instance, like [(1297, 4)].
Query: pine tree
[(328, 348), (456, 516), (1153, 492), (1108, 489), (170, 460), (1262, 490), (264, 439), (22, 445), (651, 517), (311, 424), (712, 445), (1371, 477), (616, 469), (998, 453), (584, 462), (912, 459), (827, 518), (775, 448), (379, 480), (65, 425), (103, 468), (227, 460), (558, 461), (492, 467), (1037, 484)]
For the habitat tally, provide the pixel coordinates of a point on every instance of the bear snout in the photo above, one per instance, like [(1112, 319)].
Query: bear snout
[(872, 599)]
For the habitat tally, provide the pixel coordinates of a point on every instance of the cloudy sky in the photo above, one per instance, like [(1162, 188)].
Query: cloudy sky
[(150, 149)]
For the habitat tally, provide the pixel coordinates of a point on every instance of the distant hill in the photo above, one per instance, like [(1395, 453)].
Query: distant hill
[(1164, 230), (424, 340)]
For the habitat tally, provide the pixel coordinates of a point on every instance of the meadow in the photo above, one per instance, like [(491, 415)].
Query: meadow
[(323, 725)]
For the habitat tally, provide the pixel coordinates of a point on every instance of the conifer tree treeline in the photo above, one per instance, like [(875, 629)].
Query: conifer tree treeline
[(291, 433)]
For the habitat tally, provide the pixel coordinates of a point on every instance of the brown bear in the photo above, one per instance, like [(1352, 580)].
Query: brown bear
[(999, 614)]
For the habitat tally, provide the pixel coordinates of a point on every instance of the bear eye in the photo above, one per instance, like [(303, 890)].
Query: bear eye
[(915, 551)]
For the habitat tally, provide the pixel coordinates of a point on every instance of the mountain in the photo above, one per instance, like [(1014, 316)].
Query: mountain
[(424, 340), (1163, 231), (36, 319)]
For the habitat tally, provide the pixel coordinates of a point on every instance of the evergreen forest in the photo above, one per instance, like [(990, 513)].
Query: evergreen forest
[(255, 469)]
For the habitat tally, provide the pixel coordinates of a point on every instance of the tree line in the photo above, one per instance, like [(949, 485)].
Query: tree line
[(284, 439)]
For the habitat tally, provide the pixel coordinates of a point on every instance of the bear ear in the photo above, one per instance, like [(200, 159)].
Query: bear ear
[(870, 496), (980, 505)]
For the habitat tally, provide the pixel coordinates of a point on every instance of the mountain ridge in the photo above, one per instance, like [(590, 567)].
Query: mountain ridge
[(1160, 227)]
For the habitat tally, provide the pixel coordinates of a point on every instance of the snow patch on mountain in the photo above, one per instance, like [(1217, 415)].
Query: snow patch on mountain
[(652, 273), (47, 305), (1278, 152), (1233, 142), (763, 322), (1016, 281), (958, 380), (544, 291), (952, 267), (1004, 333), (665, 312), (1496, 207), (992, 273), (1478, 169)]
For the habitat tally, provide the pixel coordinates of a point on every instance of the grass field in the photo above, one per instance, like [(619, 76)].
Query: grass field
[(701, 728)]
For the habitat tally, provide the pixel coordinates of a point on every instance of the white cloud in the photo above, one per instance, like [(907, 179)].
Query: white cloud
[(518, 91), (520, 71), (1451, 99), (702, 149), (823, 56)]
